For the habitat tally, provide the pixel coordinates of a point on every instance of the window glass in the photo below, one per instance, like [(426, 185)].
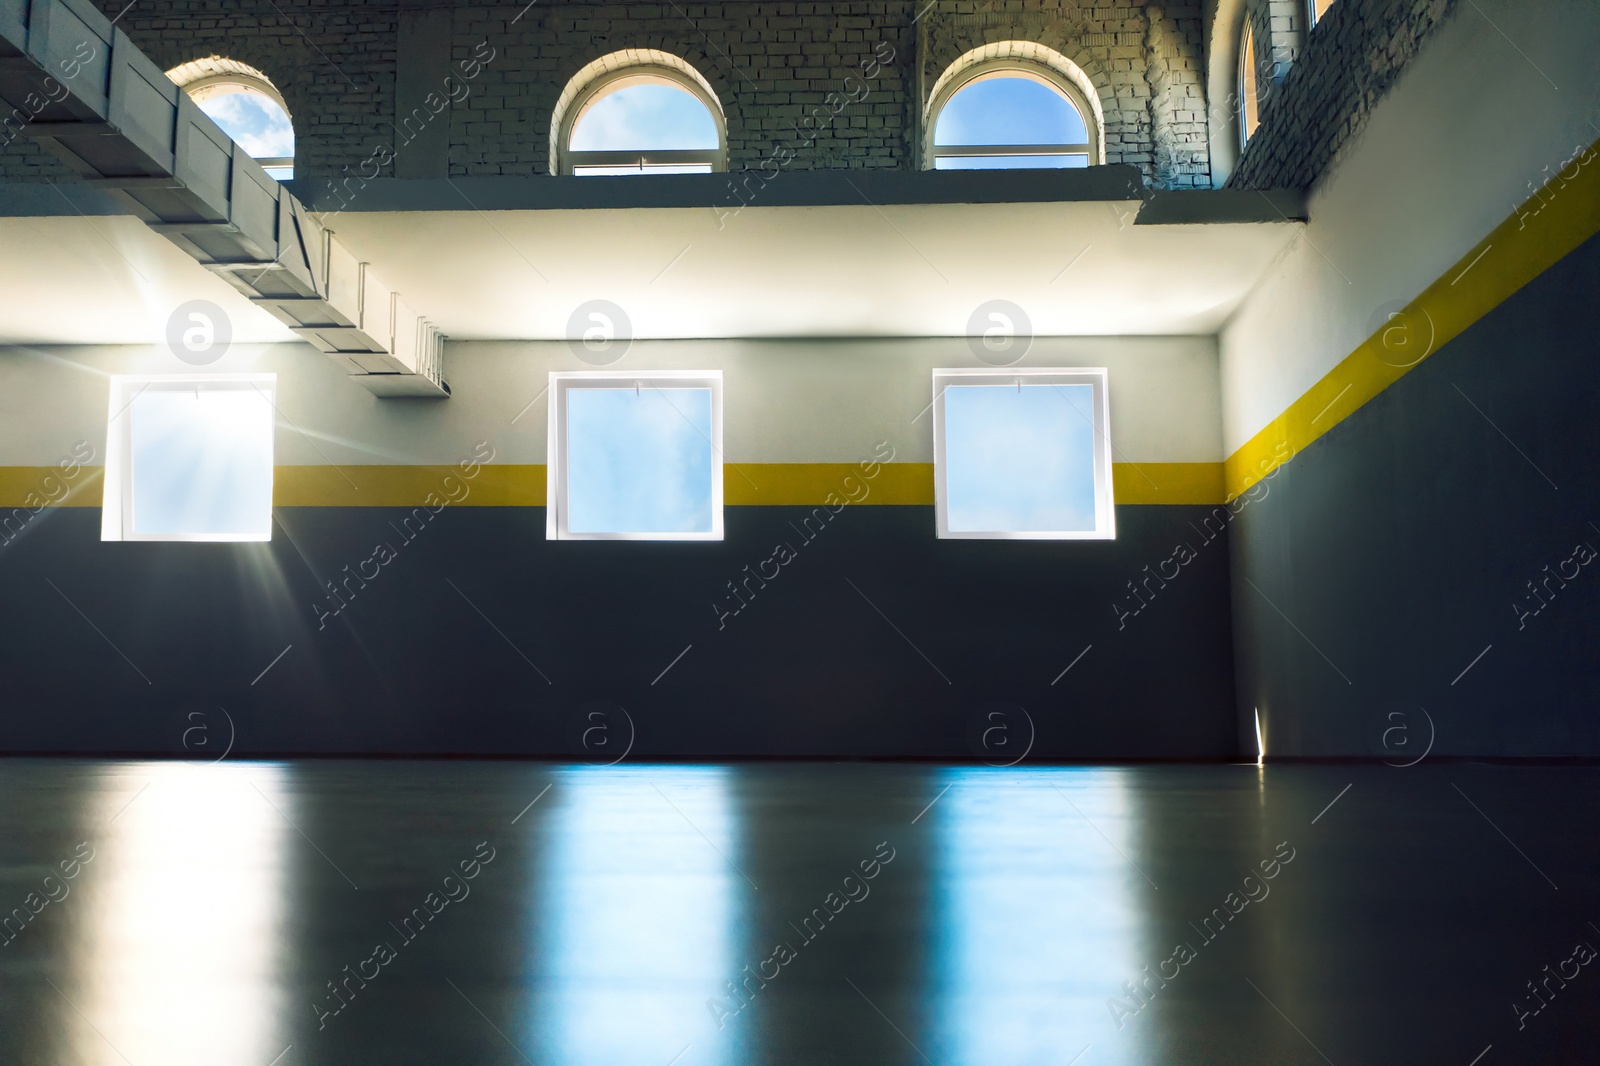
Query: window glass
[(1249, 106), (257, 123), (1022, 455), (644, 124), (1011, 162), (1010, 120), (644, 167), (193, 460), (1020, 458), (1009, 110), (639, 457), (644, 117)]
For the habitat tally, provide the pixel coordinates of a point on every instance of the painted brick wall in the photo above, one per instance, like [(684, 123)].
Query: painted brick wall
[(1346, 65), (1143, 59), (1284, 35), (770, 64), (23, 160)]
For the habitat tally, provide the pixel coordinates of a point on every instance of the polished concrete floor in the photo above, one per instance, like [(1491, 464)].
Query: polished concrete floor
[(163, 914)]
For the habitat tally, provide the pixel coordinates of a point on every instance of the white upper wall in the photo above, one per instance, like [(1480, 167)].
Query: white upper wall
[(1075, 268), (1502, 90), (801, 401)]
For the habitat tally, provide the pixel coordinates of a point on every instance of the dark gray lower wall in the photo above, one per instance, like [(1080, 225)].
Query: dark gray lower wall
[(480, 636), (1394, 551)]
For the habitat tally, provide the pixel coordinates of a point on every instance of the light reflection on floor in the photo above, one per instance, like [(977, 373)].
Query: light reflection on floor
[(220, 901), (1038, 913), (179, 919), (640, 899)]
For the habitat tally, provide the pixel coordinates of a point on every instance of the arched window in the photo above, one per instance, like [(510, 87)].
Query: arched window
[(1315, 9), (651, 117), (248, 107), (1249, 103), (1010, 114)]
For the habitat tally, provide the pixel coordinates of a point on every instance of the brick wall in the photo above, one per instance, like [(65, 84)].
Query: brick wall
[(23, 160), (1144, 62), (775, 67), (1283, 33), (1346, 65), (772, 65), (769, 65)]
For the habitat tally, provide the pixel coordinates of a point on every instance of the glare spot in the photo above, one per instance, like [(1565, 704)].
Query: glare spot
[(202, 462)]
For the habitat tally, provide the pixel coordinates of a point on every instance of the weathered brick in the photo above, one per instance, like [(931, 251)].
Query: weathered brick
[(1332, 78), (778, 66)]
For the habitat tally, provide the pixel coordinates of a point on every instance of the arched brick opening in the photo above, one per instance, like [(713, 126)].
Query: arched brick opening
[(1024, 53), (623, 60)]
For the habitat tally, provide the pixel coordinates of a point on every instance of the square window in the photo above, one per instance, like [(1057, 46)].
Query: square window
[(635, 457), (189, 459), (1022, 454)]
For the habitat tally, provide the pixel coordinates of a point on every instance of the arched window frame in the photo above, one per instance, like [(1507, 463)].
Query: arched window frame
[(640, 74), (216, 76), (1249, 84), (1009, 67)]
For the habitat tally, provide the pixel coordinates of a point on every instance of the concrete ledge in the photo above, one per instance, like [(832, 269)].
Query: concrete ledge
[(1200, 206), (813, 188), (725, 192)]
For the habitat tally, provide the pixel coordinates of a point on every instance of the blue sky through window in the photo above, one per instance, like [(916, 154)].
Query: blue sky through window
[(653, 168), (255, 121), (639, 461), (1009, 110), (1011, 162), (202, 462), (646, 117), (1019, 460)]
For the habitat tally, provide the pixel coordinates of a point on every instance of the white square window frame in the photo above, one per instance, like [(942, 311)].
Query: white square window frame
[(1105, 517), (116, 509), (557, 509)]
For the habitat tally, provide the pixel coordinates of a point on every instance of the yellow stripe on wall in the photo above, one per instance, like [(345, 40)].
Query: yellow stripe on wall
[(810, 484), (35, 487), (493, 485), (743, 485), (1166, 483), (513, 485), (1538, 234)]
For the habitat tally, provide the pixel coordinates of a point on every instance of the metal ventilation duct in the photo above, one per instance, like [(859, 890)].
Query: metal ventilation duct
[(78, 85)]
